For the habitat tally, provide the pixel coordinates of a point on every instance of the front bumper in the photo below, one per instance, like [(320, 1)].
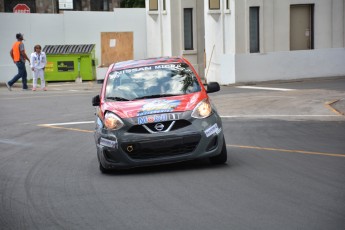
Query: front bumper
[(123, 149)]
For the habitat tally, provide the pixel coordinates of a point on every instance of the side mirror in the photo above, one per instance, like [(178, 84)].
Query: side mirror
[(212, 87), (96, 100)]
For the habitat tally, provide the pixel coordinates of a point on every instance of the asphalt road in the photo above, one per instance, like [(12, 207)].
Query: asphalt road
[(285, 170)]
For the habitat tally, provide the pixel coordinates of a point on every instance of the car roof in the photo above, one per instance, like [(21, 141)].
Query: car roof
[(147, 62)]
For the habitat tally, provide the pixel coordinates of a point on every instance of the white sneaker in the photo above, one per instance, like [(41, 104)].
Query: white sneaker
[(8, 86)]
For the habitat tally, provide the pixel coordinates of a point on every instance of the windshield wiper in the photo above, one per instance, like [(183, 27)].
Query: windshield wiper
[(156, 96), (117, 98)]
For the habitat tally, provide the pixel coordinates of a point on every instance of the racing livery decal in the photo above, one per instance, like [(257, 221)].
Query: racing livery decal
[(212, 130), (108, 143), (158, 106), (146, 68)]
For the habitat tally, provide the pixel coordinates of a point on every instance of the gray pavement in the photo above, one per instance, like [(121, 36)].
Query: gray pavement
[(280, 174)]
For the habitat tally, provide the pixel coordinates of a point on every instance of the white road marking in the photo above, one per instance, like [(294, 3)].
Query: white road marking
[(264, 88), (239, 116), (69, 123), (11, 142)]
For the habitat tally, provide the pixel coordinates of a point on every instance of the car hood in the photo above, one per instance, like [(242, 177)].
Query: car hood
[(130, 109)]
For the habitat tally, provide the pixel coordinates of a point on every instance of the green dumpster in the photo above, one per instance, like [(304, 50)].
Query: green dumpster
[(70, 62)]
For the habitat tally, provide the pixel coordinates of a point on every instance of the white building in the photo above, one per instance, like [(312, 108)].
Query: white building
[(251, 40), (165, 22), (229, 41)]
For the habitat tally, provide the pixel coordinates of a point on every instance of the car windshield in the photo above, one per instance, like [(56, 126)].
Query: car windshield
[(151, 82)]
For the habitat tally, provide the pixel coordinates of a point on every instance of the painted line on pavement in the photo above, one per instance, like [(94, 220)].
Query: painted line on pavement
[(260, 116), (21, 97), (64, 128), (264, 88), (12, 142), (70, 123), (58, 126), (287, 150), (330, 107)]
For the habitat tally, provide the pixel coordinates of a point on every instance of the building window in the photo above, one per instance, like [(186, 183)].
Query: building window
[(99, 5), (254, 29), (227, 4), (188, 28), (214, 4), (164, 6), (153, 5)]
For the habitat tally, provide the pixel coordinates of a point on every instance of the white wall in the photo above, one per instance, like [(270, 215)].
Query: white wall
[(71, 27), (214, 41), (283, 65), (227, 42)]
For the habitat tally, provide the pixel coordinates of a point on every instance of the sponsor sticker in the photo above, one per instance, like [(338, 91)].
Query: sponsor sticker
[(108, 143), (169, 66), (158, 118), (212, 130), (158, 106), (128, 71)]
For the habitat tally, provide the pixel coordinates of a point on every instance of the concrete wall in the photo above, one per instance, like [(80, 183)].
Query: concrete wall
[(72, 27), (240, 68), (227, 40)]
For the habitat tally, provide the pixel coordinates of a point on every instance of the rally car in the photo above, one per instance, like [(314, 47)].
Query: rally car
[(156, 111)]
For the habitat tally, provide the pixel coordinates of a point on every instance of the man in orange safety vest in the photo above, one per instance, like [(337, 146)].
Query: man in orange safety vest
[(19, 56)]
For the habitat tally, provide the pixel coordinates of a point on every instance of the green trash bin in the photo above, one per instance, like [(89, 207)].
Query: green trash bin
[(70, 62)]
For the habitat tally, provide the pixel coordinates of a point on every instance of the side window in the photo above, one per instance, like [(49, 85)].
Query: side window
[(188, 28), (164, 6), (227, 4), (153, 5), (254, 29), (214, 4)]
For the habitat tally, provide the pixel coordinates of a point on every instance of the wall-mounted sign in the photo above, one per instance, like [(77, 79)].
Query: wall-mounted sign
[(21, 8), (65, 66), (66, 4)]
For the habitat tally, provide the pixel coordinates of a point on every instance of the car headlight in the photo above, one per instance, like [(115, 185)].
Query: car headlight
[(202, 110), (111, 121)]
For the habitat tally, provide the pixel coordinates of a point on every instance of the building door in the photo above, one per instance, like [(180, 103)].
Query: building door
[(301, 27)]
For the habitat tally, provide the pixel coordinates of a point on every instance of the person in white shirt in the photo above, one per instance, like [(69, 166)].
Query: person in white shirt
[(38, 62)]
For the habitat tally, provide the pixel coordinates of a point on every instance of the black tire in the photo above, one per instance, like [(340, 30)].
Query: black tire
[(101, 168), (222, 157), (104, 170)]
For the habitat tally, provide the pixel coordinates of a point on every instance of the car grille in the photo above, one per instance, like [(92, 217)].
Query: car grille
[(162, 147), (150, 127)]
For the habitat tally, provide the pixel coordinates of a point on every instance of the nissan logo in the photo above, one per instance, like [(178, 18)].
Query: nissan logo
[(159, 126)]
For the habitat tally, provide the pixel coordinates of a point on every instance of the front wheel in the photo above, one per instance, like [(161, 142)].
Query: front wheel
[(222, 157), (104, 170), (101, 167)]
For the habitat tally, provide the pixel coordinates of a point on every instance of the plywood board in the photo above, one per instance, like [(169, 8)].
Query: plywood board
[(115, 47)]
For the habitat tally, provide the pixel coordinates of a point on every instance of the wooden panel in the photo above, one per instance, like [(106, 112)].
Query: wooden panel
[(115, 47)]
